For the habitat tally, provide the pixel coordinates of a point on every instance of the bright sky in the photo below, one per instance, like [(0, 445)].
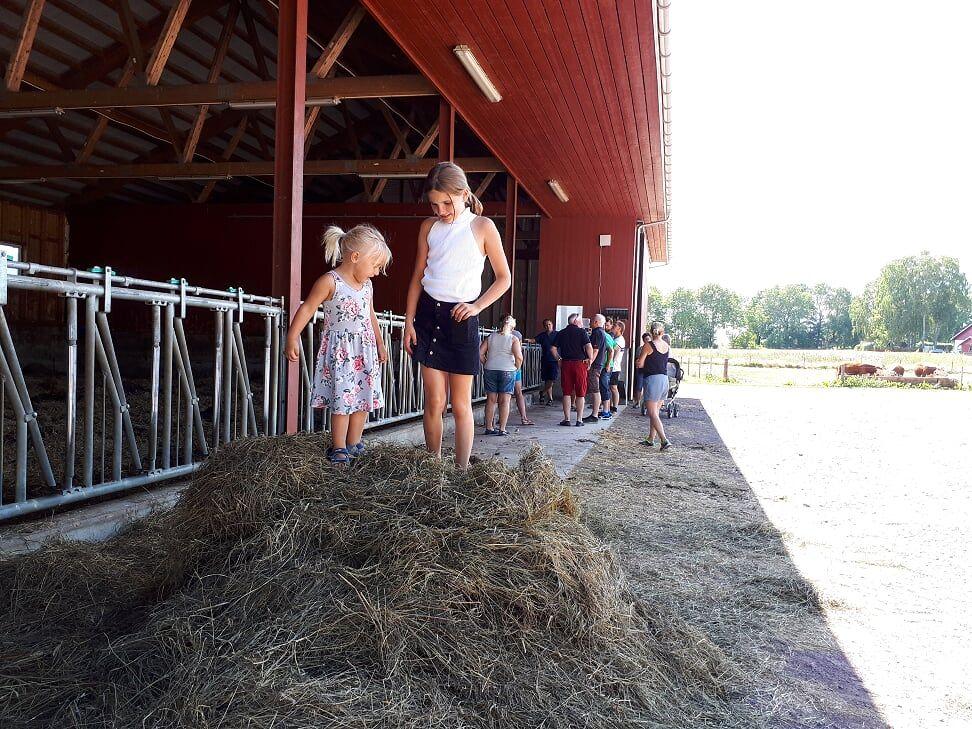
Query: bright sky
[(815, 142)]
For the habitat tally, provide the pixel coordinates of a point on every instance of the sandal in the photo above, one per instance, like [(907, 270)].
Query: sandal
[(527, 422), (339, 455), (490, 431), (565, 422), (357, 449), (501, 432)]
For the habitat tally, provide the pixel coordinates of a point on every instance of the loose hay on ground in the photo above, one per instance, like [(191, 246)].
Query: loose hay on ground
[(281, 591)]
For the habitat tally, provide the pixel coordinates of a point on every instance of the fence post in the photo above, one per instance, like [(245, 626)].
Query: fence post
[(725, 370)]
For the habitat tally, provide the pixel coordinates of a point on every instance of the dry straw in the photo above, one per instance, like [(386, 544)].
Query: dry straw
[(283, 592)]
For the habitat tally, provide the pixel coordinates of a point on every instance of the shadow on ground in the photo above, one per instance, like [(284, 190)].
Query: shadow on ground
[(691, 535)]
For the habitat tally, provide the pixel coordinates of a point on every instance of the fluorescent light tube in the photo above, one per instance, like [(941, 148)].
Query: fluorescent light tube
[(393, 175), (271, 103), (469, 62), (558, 190)]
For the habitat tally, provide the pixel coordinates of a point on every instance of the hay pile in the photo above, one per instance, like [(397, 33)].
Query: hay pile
[(283, 592)]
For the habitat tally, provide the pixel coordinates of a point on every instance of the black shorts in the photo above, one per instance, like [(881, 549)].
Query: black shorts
[(443, 343), (549, 371), (615, 378)]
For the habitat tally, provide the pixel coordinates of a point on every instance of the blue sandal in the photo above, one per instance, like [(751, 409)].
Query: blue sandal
[(339, 455), (357, 449)]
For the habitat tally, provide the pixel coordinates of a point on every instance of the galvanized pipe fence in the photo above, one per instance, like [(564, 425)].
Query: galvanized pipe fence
[(197, 373)]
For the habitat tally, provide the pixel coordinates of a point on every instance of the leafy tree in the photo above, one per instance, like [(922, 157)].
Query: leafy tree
[(832, 323), (921, 297), (686, 323), (783, 317), (867, 326), (718, 308)]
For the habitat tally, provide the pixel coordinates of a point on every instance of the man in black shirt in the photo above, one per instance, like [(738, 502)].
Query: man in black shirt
[(572, 350), (549, 369), (599, 344)]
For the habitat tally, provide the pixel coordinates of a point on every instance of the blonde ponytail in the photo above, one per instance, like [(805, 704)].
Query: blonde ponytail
[(362, 238), (474, 203), (332, 244)]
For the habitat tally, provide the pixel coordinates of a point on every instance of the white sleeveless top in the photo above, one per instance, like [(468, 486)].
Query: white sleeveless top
[(454, 270)]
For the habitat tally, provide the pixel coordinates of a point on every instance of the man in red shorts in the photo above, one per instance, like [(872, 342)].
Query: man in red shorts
[(572, 349)]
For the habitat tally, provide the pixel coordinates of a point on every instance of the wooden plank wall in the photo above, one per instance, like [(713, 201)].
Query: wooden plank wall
[(43, 235)]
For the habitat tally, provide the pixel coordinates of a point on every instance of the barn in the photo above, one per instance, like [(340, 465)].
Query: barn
[(962, 341), (167, 168)]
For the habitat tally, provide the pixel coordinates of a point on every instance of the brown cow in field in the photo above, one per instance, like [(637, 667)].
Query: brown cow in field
[(925, 370), (898, 370), (858, 368)]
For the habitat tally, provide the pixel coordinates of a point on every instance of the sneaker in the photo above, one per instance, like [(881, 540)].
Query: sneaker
[(614, 409), (501, 432), (591, 419), (607, 416), (649, 443), (490, 431), (579, 424), (665, 445), (565, 422)]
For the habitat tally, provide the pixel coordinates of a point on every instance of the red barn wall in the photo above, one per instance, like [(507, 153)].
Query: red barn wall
[(575, 270)]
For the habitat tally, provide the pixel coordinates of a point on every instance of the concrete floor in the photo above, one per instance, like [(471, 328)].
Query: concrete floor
[(566, 447)]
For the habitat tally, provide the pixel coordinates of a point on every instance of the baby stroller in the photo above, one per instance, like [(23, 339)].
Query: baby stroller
[(675, 375)]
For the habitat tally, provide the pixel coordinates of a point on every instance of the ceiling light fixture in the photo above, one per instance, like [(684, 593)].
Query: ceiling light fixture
[(25, 181), (272, 103), (469, 62), (558, 190), (26, 113), (195, 178)]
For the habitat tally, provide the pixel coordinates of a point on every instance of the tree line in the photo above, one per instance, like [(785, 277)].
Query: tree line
[(913, 299)]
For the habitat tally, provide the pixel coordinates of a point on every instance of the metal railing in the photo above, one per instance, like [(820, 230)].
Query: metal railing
[(202, 368)]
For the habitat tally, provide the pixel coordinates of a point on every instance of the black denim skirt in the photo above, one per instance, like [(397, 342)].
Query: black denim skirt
[(443, 343)]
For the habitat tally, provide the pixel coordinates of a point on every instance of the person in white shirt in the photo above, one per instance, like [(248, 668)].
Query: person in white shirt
[(617, 364)]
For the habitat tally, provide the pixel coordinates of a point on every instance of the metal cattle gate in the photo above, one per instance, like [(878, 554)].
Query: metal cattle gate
[(198, 368)]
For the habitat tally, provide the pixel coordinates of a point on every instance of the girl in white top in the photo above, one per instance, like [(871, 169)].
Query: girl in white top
[(444, 300)]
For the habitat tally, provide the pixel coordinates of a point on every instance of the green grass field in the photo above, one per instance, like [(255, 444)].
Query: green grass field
[(801, 367)]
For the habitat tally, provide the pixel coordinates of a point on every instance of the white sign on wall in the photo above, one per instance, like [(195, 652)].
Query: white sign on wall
[(564, 311)]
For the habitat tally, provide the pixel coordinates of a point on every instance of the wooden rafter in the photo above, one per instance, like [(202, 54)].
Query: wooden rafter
[(83, 75), (67, 154), (229, 27), (344, 87), (196, 170), (323, 66), (259, 54), (130, 31), (101, 123), (484, 184), (227, 154), (25, 41), (166, 41)]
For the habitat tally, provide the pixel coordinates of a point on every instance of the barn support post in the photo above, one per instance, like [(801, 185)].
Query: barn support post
[(288, 178), (447, 131), (509, 239)]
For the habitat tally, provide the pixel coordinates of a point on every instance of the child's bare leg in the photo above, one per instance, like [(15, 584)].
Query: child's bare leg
[(460, 387), (434, 385), (339, 430), (356, 427), (520, 401)]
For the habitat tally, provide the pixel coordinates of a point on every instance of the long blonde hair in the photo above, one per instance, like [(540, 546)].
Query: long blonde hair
[(449, 178), (361, 238)]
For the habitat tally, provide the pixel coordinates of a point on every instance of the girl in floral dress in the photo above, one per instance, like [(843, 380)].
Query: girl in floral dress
[(347, 378)]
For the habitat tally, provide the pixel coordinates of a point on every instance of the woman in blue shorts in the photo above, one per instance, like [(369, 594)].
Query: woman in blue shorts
[(653, 363), (501, 355)]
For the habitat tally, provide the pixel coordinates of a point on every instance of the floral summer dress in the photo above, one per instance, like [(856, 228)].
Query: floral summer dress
[(347, 378)]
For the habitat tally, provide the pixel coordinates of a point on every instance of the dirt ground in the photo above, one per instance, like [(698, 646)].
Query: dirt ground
[(815, 535)]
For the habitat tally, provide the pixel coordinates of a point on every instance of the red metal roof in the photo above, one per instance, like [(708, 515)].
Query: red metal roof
[(580, 94)]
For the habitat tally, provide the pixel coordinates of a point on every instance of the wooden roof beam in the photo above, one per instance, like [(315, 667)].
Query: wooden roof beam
[(229, 26), (25, 41), (344, 87), (206, 170)]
